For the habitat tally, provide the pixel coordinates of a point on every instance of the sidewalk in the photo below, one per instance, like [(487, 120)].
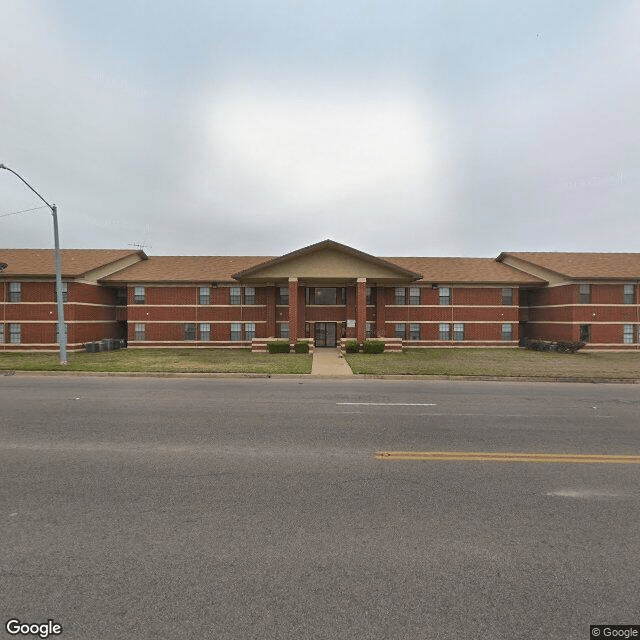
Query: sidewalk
[(329, 363)]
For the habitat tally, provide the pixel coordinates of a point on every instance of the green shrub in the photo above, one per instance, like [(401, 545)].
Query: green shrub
[(351, 346), (278, 346), (373, 346), (302, 347)]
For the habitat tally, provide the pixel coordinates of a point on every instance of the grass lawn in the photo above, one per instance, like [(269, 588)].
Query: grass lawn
[(162, 360), (498, 362)]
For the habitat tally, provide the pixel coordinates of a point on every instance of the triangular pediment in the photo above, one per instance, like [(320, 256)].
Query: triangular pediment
[(327, 261)]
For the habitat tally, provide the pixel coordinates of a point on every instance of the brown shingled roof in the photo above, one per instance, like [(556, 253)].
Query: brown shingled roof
[(587, 266), (446, 270), (75, 262), (222, 268), (185, 269)]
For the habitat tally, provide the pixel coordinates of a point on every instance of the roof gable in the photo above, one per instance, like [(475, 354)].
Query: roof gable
[(576, 265), (76, 263), (327, 260)]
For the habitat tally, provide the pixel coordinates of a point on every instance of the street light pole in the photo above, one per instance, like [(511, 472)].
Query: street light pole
[(62, 330)]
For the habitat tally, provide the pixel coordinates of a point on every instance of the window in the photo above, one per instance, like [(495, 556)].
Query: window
[(15, 291), (444, 295), (444, 331), (584, 296), (1, 333), (236, 331), (507, 332), (507, 295), (121, 296), (205, 332), (414, 295), (370, 295), (64, 292), (283, 329), (458, 331), (627, 334), (249, 330), (238, 293), (283, 295), (400, 330), (370, 329), (585, 333), (205, 295), (325, 295), (138, 295), (629, 294), (14, 333), (189, 331), (401, 295), (414, 332), (139, 331)]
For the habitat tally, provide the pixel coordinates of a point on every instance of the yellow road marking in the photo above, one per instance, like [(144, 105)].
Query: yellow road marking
[(475, 456)]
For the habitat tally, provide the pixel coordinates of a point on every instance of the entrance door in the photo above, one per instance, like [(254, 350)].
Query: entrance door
[(325, 334)]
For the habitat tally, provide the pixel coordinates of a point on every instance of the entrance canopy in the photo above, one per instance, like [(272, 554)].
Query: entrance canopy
[(326, 262)]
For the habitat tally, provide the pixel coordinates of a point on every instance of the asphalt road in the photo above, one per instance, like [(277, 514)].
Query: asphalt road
[(255, 508)]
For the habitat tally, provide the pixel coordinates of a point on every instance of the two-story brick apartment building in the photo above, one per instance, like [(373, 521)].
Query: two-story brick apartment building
[(321, 292)]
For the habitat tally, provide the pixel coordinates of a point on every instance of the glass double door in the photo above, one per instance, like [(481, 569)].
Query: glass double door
[(325, 334)]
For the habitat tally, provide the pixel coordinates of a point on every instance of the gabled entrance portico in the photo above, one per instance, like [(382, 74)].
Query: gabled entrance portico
[(326, 285)]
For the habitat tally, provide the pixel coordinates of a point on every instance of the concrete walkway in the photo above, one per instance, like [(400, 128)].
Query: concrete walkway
[(329, 363)]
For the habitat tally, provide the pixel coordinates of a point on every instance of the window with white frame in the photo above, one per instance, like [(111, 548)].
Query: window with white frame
[(507, 295), (189, 331), (400, 330), (1, 333), (242, 295), (629, 294), (138, 295), (15, 291), (401, 295), (444, 295), (370, 329), (204, 295), (249, 330), (15, 333), (236, 332), (414, 332), (283, 329), (627, 334), (458, 331), (584, 294), (507, 332), (370, 295), (444, 331), (414, 295), (205, 331), (138, 331)]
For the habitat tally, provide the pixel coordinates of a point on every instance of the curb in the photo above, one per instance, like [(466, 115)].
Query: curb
[(308, 376)]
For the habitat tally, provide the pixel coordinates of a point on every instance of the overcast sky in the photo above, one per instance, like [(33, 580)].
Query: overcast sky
[(445, 128)]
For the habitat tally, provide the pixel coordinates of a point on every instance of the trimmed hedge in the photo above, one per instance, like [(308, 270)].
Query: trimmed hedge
[(351, 346), (278, 346), (301, 347), (373, 346)]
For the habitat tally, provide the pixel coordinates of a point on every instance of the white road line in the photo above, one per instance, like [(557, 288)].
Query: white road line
[(392, 404)]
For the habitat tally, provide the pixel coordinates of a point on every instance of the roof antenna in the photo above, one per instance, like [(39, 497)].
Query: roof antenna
[(141, 246)]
